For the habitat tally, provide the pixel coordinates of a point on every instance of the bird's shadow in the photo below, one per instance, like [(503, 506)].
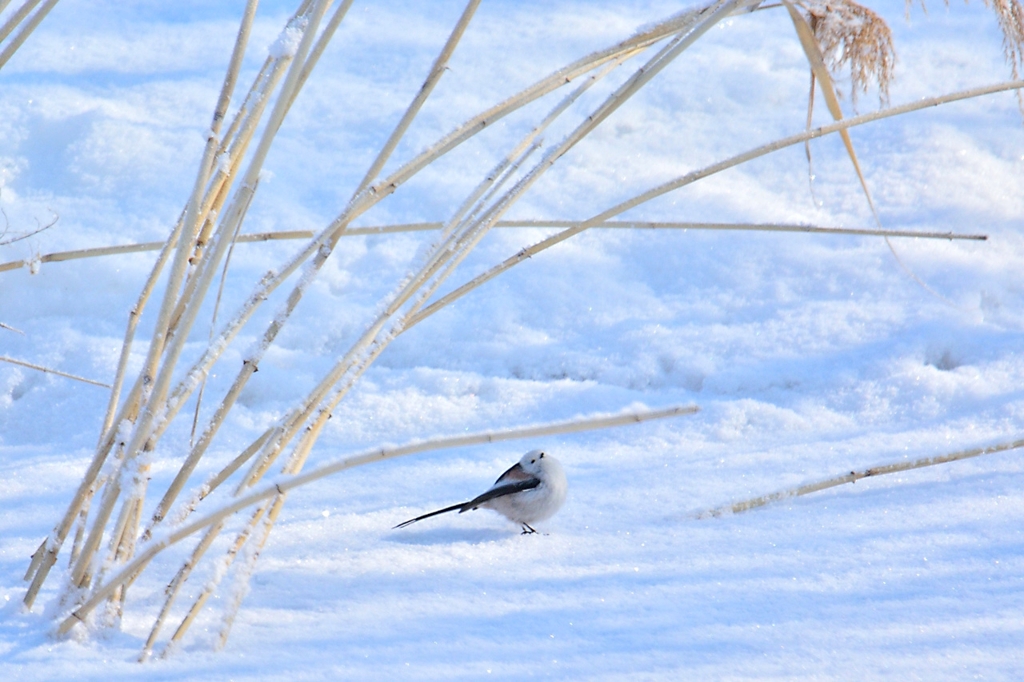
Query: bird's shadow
[(448, 536)]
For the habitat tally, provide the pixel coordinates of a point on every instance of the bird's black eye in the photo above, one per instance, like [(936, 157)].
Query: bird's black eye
[(533, 461)]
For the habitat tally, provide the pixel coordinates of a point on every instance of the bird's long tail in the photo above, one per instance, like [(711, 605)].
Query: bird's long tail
[(458, 506)]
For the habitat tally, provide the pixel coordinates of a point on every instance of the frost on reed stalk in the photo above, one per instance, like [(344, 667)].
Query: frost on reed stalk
[(112, 545)]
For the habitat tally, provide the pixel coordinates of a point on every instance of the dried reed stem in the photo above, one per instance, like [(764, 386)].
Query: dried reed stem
[(83, 516), (295, 464), (175, 586), (45, 557), (245, 573), (398, 228), (817, 62), (83, 253), (16, 18), (134, 316), (676, 24), (197, 554), (22, 363), (436, 71), (739, 227), (853, 477), (30, 25), (209, 588)]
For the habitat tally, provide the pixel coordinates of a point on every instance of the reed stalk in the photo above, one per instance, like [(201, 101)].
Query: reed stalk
[(83, 516), (245, 573), (48, 370), (11, 24), (853, 477), (821, 74), (643, 39), (399, 228), (436, 71), (211, 586), (134, 316), (295, 465), (175, 585), (16, 18), (46, 555)]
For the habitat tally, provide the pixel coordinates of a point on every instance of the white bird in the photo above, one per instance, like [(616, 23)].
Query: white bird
[(530, 491)]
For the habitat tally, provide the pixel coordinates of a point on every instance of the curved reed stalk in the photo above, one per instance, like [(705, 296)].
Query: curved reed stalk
[(821, 74)]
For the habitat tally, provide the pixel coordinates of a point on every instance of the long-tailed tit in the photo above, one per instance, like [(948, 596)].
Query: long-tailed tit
[(530, 491)]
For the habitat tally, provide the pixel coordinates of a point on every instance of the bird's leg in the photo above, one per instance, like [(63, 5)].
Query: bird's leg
[(527, 529)]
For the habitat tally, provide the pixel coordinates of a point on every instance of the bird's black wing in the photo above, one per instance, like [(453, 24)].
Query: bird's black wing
[(497, 491), (433, 513)]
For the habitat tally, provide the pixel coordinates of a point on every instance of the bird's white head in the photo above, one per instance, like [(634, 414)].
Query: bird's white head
[(538, 462)]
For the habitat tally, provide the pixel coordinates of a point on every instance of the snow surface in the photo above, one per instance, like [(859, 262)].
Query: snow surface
[(809, 355)]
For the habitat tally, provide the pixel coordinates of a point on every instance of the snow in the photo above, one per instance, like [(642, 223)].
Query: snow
[(287, 44), (809, 355)]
